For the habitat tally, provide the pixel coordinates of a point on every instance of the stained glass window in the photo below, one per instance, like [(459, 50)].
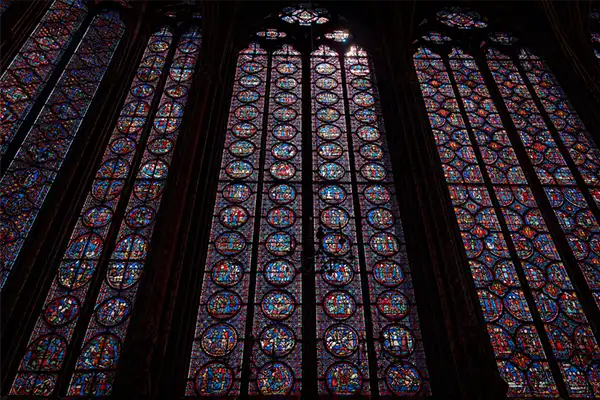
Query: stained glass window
[(28, 73), (262, 244), (56, 324), (31, 174), (595, 34), (271, 34), (96, 365), (532, 310)]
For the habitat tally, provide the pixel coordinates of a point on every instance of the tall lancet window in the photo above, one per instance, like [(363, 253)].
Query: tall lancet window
[(31, 173), (522, 175), (122, 203), (306, 229)]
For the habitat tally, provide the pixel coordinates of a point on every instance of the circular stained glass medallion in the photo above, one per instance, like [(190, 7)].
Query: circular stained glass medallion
[(325, 68), (123, 275), (327, 98), (331, 171), (224, 304), (284, 151), (281, 217), (385, 244), (339, 305), (282, 170), (176, 91), (287, 68), (286, 83), (230, 243), (251, 67), (239, 169), (284, 132), (373, 172), (113, 311), (330, 151), (364, 99), (227, 272), (334, 217), (280, 244), (360, 70), (237, 192), (248, 96), (380, 218), (277, 340), (337, 272), (328, 114), (233, 216), (62, 310), (278, 305), (154, 170), (393, 304), (332, 194), (336, 244), (388, 273), (341, 340), (285, 114), (282, 193), (241, 148), (74, 274), (214, 379), (403, 380), (371, 152), (279, 272), (326, 83), (329, 132), (246, 113), (250, 81), (343, 378), (244, 130), (160, 146), (285, 98), (275, 378), (123, 145), (140, 217), (398, 340), (361, 83), (377, 194), (97, 217), (219, 340), (368, 133), (143, 90)]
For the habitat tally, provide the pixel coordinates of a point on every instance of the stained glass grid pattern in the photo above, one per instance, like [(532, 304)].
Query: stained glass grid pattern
[(28, 73), (95, 369), (55, 326), (399, 347), (519, 354), (29, 177), (571, 338), (217, 350), (572, 210), (276, 363), (342, 366)]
